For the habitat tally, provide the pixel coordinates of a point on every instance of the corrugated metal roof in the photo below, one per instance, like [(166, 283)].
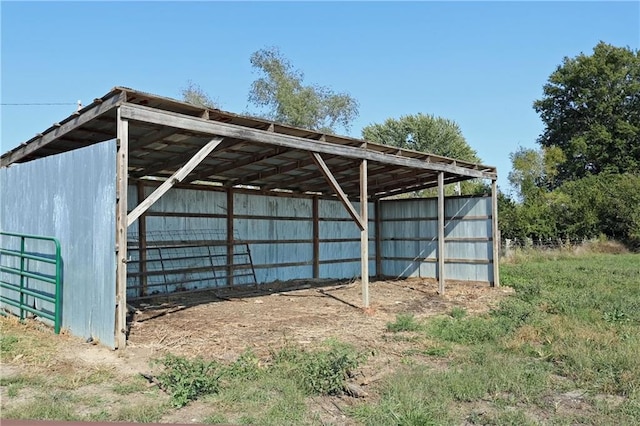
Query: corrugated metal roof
[(157, 150)]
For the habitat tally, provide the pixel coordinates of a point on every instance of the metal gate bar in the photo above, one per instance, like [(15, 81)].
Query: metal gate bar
[(29, 272)]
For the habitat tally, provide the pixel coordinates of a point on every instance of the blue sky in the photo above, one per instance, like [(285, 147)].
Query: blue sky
[(481, 64)]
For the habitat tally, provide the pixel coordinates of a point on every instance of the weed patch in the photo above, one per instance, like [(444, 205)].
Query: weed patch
[(404, 322), (319, 372), (186, 380)]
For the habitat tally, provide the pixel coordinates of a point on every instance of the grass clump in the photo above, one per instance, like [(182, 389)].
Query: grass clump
[(404, 322), (316, 372), (319, 372), (186, 379)]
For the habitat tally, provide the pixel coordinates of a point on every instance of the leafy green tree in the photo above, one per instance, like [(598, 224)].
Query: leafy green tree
[(534, 171), (429, 134), (194, 94), (591, 111), (606, 204), (281, 92), (425, 133)]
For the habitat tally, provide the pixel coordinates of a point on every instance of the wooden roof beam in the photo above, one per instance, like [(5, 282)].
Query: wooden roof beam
[(152, 137), (304, 177), (215, 170), (166, 118), (353, 182), (419, 187), (168, 164)]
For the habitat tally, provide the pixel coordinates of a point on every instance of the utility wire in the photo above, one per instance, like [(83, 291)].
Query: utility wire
[(40, 103)]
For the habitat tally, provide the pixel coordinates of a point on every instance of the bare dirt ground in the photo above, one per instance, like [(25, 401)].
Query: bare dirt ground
[(223, 324)]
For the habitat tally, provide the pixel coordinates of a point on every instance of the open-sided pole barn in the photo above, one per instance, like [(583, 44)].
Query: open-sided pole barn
[(120, 175)]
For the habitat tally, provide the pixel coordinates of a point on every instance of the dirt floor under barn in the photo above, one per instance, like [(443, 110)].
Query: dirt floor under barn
[(222, 324)]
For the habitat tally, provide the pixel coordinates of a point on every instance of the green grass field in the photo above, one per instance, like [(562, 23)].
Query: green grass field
[(563, 350)]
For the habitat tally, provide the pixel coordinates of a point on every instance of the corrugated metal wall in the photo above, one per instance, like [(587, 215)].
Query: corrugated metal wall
[(71, 197), (340, 241), (279, 231), (184, 214), (409, 238)]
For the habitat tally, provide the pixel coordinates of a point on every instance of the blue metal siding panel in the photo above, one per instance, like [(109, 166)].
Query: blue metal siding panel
[(269, 228), (329, 228), (71, 197), (472, 220)]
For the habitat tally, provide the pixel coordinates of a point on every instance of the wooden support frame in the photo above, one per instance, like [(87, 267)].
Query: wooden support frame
[(495, 234), (441, 242), (362, 224), (178, 176), (142, 241), (316, 236), (121, 230), (230, 236), (364, 233)]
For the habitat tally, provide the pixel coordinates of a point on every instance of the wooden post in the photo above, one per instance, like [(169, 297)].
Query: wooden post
[(495, 234), (441, 233), (122, 167), (142, 242), (378, 229), (316, 237), (230, 239), (364, 233)]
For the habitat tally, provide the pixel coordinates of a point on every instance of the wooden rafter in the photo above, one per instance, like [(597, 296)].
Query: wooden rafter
[(217, 170)]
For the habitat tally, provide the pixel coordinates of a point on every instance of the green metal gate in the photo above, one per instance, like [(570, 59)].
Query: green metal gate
[(31, 275)]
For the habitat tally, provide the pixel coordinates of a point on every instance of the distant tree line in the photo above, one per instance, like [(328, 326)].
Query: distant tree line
[(584, 181)]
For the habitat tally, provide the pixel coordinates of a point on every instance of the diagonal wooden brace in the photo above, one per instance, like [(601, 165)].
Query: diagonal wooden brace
[(177, 177), (338, 190)]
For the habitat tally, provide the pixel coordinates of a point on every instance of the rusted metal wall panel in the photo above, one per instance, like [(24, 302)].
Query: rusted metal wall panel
[(71, 197)]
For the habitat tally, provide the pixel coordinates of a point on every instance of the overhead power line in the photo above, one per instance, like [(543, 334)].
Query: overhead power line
[(39, 103)]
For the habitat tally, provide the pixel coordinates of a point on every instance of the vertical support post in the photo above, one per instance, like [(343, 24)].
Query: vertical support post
[(495, 234), (316, 237), (377, 211), (142, 240), (230, 239), (364, 233), (441, 233), (122, 170)]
